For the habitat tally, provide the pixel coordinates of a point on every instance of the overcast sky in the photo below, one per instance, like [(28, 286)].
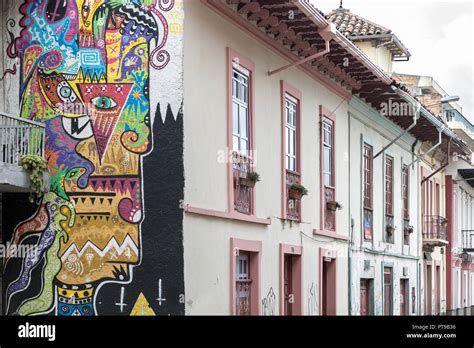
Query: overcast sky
[(438, 34)]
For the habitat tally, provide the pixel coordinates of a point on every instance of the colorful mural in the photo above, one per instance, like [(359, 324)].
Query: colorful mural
[(86, 70)]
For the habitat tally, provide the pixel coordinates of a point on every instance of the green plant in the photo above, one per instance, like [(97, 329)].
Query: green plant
[(299, 188), (333, 205), (253, 176), (250, 179), (37, 166)]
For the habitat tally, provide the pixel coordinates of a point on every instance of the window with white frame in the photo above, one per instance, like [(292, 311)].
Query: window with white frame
[(240, 111), (328, 155), (291, 112)]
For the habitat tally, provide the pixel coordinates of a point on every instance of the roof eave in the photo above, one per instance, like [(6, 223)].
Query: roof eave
[(402, 49), (321, 21)]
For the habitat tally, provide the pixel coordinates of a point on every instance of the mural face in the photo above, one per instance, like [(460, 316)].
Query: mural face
[(85, 69)]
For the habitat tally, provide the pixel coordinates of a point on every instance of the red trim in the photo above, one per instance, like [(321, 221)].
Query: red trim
[(248, 64), (246, 26), (297, 284), (332, 277), (253, 247), (227, 215), (324, 113), (286, 88), (449, 254)]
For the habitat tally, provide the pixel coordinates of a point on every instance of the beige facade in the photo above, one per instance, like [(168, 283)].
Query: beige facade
[(432, 210), (207, 239)]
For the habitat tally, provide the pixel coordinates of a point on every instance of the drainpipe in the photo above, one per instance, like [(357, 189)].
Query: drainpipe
[(442, 166), (419, 236), (327, 33), (351, 224), (440, 140)]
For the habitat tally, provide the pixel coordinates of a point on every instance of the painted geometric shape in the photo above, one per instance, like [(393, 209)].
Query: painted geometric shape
[(106, 102), (142, 307), (91, 62)]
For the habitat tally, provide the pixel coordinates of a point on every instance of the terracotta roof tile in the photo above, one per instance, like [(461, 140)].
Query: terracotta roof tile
[(352, 25)]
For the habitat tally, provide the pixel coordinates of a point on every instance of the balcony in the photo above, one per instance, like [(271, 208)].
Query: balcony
[(461, 126), (467, 240), (243, 195), (435, 232), (293, 206), (329, 215), (18, 137)]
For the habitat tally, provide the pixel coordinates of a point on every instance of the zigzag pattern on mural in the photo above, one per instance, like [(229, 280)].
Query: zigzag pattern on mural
[(111, 245)]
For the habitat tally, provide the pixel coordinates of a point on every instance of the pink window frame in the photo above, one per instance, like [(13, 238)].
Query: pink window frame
[(332, 306), (325, 113), (371, 176), (392, 188), (286, 249), (231, 56), (254, 248), (286, 88)]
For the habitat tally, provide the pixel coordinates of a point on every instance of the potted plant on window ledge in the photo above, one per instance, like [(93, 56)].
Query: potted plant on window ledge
[(390, 229), (297, 191), (250, 180), (409, 229), (333, 205)]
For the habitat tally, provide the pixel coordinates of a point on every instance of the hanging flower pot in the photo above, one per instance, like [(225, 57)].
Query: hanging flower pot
[(297, 191), (390, 229), (333, 205), (250, 180)]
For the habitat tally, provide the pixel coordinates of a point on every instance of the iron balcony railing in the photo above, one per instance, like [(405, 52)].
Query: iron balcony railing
[(435, 227), (243, 195), (467, 240), (293, 206), (18, 137)]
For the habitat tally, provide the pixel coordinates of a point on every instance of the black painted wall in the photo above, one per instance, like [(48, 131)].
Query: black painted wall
[(162, 229)]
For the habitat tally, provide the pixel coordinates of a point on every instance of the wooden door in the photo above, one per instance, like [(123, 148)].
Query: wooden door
[(428, 290), (403, 297), (387, 303), (438, 289), (287, 285), (325, 289), (364, 297)]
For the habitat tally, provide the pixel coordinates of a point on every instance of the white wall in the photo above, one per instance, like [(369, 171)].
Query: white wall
[(463, 210), (379, 55), (369, 127)]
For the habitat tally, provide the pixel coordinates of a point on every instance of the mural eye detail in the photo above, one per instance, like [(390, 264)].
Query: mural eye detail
[(65, 92), (78, 127), (103, 103), (56, 10), (85, 11)]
